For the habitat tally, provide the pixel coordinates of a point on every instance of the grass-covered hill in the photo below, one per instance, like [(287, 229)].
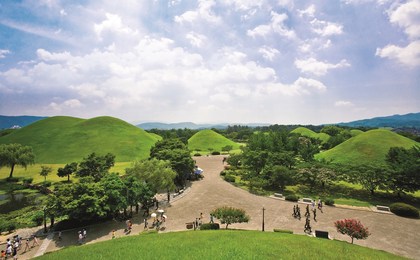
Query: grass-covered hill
[(366, 148), (309, 133), (64, 139), (355, 132), (219, 244), (209, 140)]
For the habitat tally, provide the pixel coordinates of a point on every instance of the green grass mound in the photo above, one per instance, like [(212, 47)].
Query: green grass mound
[(209, 140), (369, 147), (309, 133), (219, 244), (356, 132), (64, 139)]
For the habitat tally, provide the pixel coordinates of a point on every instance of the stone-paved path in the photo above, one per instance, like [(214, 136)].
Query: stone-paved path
[(389, 232)]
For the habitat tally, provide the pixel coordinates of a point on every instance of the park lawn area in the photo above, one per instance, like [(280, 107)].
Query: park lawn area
[(219, 244)]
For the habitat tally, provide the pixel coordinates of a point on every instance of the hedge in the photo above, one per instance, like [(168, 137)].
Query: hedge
[(210, 226), (229, 178), (404, 210), (292, 197), (329, 202)]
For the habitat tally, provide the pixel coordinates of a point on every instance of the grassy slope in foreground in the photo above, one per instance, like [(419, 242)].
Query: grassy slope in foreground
[(366, 148), (205, 139), (309, 133), (219, 244), (65, 139)]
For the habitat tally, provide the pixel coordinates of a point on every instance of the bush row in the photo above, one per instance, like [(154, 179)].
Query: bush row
[(404, 210)]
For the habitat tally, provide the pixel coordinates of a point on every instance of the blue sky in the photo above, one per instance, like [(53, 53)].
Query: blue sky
[(235, 61)]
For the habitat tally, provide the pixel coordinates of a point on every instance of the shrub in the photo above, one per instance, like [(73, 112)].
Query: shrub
[(13, 179), (28, 180), (215, 153), (10, 227), (197, 154), (283, 231), (222, 173), (404, 210), (210, 226), (229, 178), (230, 215), (329, 202), (292, 197), (38, 218), (46, 183)]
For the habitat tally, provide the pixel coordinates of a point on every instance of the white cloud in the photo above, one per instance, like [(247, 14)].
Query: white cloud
[(318, 68), (301, 86), (276, 25), (407, 16), (203, 12), (244, 5), (309, 11), (113, 23), (196, 39), (325, 28), (66, 105), (408, 55), (3, 53), (268, 52), (343, 103)]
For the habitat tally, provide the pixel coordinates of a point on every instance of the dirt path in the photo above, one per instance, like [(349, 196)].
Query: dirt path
[(389, 232)]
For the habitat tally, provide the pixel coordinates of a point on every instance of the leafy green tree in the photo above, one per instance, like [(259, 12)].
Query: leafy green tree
[(157, 174), (331, 130), (177, 153), (137, 191), (278, 176), (234, 160), (405, 169), (67, 170), (114, 189), (371, 177), (45, 170), (16, 154), (308, 147), (96, 166), (230, 215), (285, 158), (315, 174), (255, 160), (227, 148)]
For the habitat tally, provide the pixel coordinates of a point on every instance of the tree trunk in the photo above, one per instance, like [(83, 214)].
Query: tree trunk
[(68, 177), (352, 239), (52, 221), (372, 191), (11, 170)]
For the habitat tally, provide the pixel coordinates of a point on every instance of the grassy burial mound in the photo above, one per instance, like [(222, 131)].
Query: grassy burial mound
[(64, 139), (309, 133), (355, 132), (220, 244), (366, 148), (209, 140)]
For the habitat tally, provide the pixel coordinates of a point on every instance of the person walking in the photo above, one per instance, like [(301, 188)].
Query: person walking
[(113, 234), (146, 224), (35, 241), (211, 219), (314, 214), (307, 213), (27, 245)]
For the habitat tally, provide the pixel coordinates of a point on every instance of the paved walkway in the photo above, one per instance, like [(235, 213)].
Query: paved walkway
[(389, 232)]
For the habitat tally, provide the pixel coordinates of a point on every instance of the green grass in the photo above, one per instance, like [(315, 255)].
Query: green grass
[(65, 139), (355, 132), (369, 147), (206, 141), (309, 133), (219, 244)]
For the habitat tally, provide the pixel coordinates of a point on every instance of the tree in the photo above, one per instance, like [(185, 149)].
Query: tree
[(96, 166), (277, 176), (308, 147), (67, 170), (45, 170), (371, 177), (137, 191), (114, 188), (315, 174), (16, 154), (177, 153), (353, 228), (156, 173), (230, 215)]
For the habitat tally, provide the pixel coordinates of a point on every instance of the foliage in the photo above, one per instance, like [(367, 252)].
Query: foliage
[(174, 151), (158, 174), (16, 154), (114, 195), (316, 174), (68, 169), (404, 210), (353, 228), (95, 166), (227, 148), (277, 176), (234, 160), (329, 202), (229, 215), (210, 226), (292, 197), (229, 178), (371, 177), (38, 217), (45, 170), (218, 244), (215, 153), (63, 139), (28, 180)]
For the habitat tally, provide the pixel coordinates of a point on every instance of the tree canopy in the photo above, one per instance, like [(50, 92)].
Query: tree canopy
[(229, 215), (96, 166), (16, 154)]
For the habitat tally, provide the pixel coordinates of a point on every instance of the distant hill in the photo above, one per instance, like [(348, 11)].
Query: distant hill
[(395, 121), (190, 125), (208, 140), (21, 121), (309, 133), (64, 139), (368, 147)]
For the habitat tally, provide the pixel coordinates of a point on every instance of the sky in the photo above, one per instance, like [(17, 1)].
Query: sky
[(208, 61)]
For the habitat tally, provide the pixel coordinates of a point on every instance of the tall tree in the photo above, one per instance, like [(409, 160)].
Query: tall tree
[(96, 166), (16, 154), (67, 170), (114, 189)]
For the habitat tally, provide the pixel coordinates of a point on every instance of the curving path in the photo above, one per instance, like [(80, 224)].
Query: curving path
[(389, 232)]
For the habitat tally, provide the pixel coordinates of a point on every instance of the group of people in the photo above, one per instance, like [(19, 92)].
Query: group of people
[(82, 236), (296, 214), (199, 221), (14, 245)]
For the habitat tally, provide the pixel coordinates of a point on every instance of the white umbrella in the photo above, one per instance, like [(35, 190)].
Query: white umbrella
[(160, 210), (153, 215), (164, 216)]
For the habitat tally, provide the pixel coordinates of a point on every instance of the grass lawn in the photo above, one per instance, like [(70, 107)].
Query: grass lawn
[(219, 244)]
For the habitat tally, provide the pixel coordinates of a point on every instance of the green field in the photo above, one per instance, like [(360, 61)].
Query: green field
[(309, 133), (208, 140), (219, 244), (355, 132), (65, 139), (369, 147)]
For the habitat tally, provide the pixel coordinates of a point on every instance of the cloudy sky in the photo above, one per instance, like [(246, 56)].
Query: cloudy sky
[(235, 61)]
